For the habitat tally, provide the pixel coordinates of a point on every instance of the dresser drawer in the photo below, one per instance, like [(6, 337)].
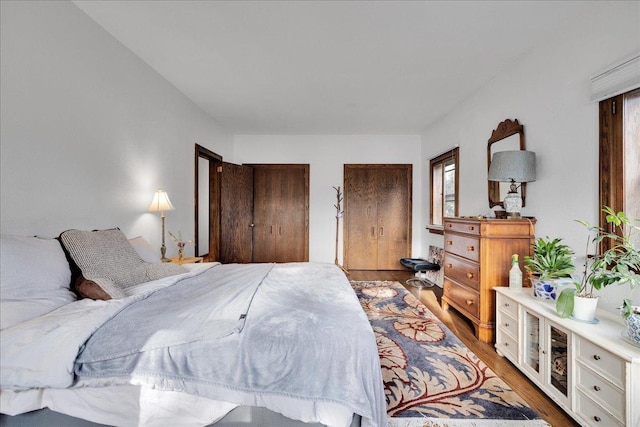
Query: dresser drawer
[(463, 297), (507, 305), (508, 324), (464, 246), (462, 270), (601, 391), (463, 227), (507, 345), (593, 414), (601, 361)]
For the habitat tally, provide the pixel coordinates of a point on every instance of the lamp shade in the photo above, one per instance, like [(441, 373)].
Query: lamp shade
[(161, 202), (516, 165)]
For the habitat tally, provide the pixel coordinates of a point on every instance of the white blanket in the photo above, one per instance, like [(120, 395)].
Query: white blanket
[(306, 348)]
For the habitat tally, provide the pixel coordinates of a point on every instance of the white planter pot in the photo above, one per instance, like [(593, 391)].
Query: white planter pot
[(584, 308)]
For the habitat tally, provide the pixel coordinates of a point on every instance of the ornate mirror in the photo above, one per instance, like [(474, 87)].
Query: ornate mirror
[(508, 135)]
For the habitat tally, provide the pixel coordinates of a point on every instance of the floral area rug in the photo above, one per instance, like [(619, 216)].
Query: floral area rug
[(431, 378)]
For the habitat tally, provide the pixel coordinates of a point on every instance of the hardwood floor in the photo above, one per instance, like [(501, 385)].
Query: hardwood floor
[(460, 326)]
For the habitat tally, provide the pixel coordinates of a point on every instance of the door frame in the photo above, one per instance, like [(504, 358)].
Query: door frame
[(213, 184)]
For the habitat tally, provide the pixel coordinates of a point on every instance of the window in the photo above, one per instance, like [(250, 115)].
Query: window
[(620, 154), (444, 189)]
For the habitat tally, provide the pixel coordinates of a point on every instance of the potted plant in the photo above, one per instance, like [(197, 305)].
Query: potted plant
[(620, 264), (550, 266)]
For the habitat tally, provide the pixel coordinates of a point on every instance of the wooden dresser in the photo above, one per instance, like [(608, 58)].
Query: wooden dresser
[(477, 258)]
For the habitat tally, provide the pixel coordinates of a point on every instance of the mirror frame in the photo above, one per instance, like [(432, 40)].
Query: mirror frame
[(504, 130)]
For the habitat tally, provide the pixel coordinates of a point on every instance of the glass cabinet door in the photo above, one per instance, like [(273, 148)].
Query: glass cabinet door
[(557, 362), (532, 343)]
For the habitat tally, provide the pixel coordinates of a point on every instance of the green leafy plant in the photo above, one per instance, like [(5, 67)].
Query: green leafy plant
[(620, 264), (565, 302), (628, 309), (551, 259)]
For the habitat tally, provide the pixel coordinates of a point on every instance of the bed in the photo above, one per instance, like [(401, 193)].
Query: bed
[(162, 344)]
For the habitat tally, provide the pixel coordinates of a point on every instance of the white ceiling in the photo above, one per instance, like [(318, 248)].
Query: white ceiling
[(329, 67)]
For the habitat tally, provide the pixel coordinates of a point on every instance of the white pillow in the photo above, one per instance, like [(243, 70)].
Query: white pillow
[(144, 249), (34, 278)]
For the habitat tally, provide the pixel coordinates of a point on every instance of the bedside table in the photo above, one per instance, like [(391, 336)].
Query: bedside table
[(186, 260)]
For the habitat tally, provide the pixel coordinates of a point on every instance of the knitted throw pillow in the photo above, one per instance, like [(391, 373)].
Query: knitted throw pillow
[(106, 258)]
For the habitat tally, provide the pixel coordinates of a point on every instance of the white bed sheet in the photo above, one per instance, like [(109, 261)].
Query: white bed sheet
[(130, 405)]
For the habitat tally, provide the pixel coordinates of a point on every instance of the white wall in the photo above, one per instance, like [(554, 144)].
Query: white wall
[(326, 155), (89, 131), (548, 92)]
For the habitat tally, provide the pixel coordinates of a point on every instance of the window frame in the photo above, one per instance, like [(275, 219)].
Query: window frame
[(436, 162), (612, 148)]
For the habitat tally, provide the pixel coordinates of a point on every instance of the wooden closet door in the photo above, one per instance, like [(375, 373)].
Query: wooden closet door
[(236, 213), (394, 216), (377, 216), (281, 213), (293, 216), (265, 198), (360, 218)]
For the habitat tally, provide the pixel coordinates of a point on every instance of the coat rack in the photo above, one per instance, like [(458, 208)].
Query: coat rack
[(339, 213)]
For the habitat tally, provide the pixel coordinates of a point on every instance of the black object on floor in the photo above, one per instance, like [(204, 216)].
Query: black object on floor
[(419, 265)]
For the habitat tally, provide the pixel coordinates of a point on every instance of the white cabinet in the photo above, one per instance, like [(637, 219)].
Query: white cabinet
[(589, 370)]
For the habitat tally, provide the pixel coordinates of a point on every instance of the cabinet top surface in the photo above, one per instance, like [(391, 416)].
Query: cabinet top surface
[(607, 333), (524, 219)]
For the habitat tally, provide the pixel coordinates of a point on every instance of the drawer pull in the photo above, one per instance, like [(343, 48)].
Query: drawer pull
[(470, 248), (506, 304), (596, 388), (596, 357), (506, 325), (506, 344), (469, 302), (449, 242), (597, 419), (449, 265), (469, 275), (471, 228)]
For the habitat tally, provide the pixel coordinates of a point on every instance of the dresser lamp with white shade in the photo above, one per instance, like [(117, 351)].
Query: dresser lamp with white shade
[(513, 166), (160, 204)]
